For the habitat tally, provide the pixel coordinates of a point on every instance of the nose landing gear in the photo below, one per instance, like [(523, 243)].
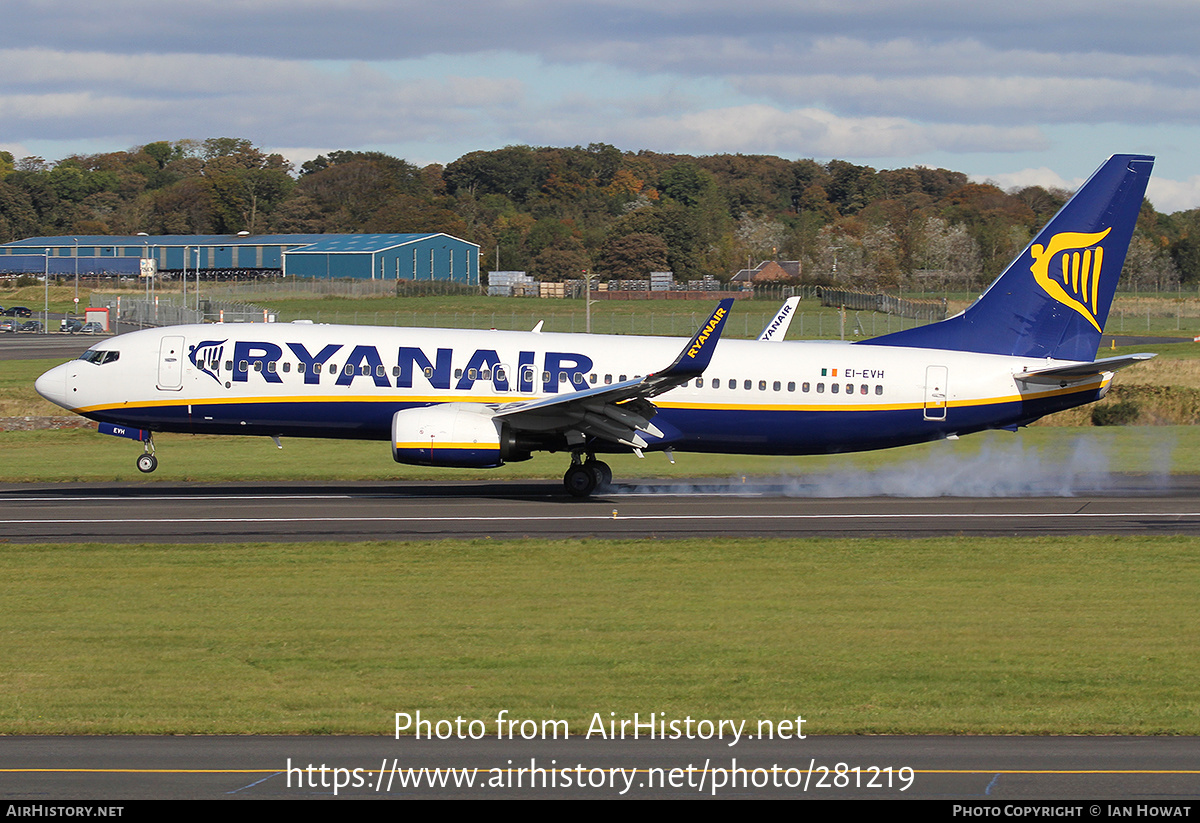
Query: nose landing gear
[(147, 462)]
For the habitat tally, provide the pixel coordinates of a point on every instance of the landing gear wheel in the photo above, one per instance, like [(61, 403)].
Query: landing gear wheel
[(147, 463), (580, 480), (602, 471)]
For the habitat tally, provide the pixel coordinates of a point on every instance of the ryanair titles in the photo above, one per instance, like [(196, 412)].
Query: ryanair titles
[(242, 361), (713, 322)]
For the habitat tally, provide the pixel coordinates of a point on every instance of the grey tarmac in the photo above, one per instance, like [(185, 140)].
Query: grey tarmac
[(174, 513), (1159, 770)]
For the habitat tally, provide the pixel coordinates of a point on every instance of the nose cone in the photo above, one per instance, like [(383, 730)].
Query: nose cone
[(53, 385)]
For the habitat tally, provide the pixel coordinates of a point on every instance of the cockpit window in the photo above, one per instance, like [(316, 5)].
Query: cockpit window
[(100, 356)]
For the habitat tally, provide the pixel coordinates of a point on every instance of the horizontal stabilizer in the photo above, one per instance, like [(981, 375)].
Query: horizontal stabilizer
[(1081, 371)]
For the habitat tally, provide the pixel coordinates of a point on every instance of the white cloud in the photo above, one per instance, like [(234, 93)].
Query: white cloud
[(1044, 177), (149, 97), (812, 132), (1169, 196), (951, 98), (901, 81)]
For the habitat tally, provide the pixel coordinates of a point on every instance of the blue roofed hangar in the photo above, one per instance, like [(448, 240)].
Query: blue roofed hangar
[(325, 256)]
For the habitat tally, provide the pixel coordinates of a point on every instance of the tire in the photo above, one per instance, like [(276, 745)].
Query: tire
[(579, 481), (602, 471), (147, 463)]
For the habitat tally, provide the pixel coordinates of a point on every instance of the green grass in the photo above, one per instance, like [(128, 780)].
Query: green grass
[(17, 396), (1032, 636), (81, 455), (1035, 636)]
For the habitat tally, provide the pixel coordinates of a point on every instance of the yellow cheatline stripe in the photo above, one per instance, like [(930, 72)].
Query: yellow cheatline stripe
[(140, 771), (435, 444), (638, 771), (849, 405), (303, 398)]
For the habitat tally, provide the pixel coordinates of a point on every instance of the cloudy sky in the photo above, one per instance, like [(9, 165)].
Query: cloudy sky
[(1016, 92)]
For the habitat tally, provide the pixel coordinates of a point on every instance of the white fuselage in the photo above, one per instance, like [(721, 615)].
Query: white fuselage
[(347, 381)]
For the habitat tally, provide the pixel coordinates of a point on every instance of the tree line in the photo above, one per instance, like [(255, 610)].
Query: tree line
[(555, 212)]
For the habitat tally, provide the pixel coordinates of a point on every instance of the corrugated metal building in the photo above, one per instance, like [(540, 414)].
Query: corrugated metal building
[(386, 257), (362, 256)]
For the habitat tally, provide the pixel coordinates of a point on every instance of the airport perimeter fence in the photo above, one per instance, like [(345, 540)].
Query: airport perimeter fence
[(1130, 315), (169, 310), (927, 311), (741, 324)]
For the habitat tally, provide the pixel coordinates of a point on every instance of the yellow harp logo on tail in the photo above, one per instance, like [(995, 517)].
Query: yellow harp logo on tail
[(1075, 280)]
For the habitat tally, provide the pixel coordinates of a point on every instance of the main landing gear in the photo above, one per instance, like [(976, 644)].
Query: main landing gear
[(147, 462), (584, 476)]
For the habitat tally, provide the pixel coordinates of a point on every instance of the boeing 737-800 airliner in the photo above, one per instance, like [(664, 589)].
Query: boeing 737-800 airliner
[(1024, 349)]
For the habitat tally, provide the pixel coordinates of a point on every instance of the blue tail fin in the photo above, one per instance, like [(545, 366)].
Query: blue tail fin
[(1052, 300)]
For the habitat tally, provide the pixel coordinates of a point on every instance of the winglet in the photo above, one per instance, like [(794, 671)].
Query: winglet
[(695, 357)]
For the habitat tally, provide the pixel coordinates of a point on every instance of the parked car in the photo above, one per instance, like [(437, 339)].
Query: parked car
[(91, 328), (31, 325), (8, 325), (18, 311), (70, 325)]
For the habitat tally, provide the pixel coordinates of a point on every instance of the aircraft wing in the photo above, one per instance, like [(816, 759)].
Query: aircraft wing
[(1081, 371), (620, 413)]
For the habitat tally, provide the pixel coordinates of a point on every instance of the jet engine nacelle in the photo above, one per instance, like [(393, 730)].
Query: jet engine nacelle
[(448, 435)]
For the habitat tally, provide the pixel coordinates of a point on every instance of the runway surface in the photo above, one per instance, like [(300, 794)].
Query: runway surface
[(174, 513), (46, 346), (1164, 771)]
